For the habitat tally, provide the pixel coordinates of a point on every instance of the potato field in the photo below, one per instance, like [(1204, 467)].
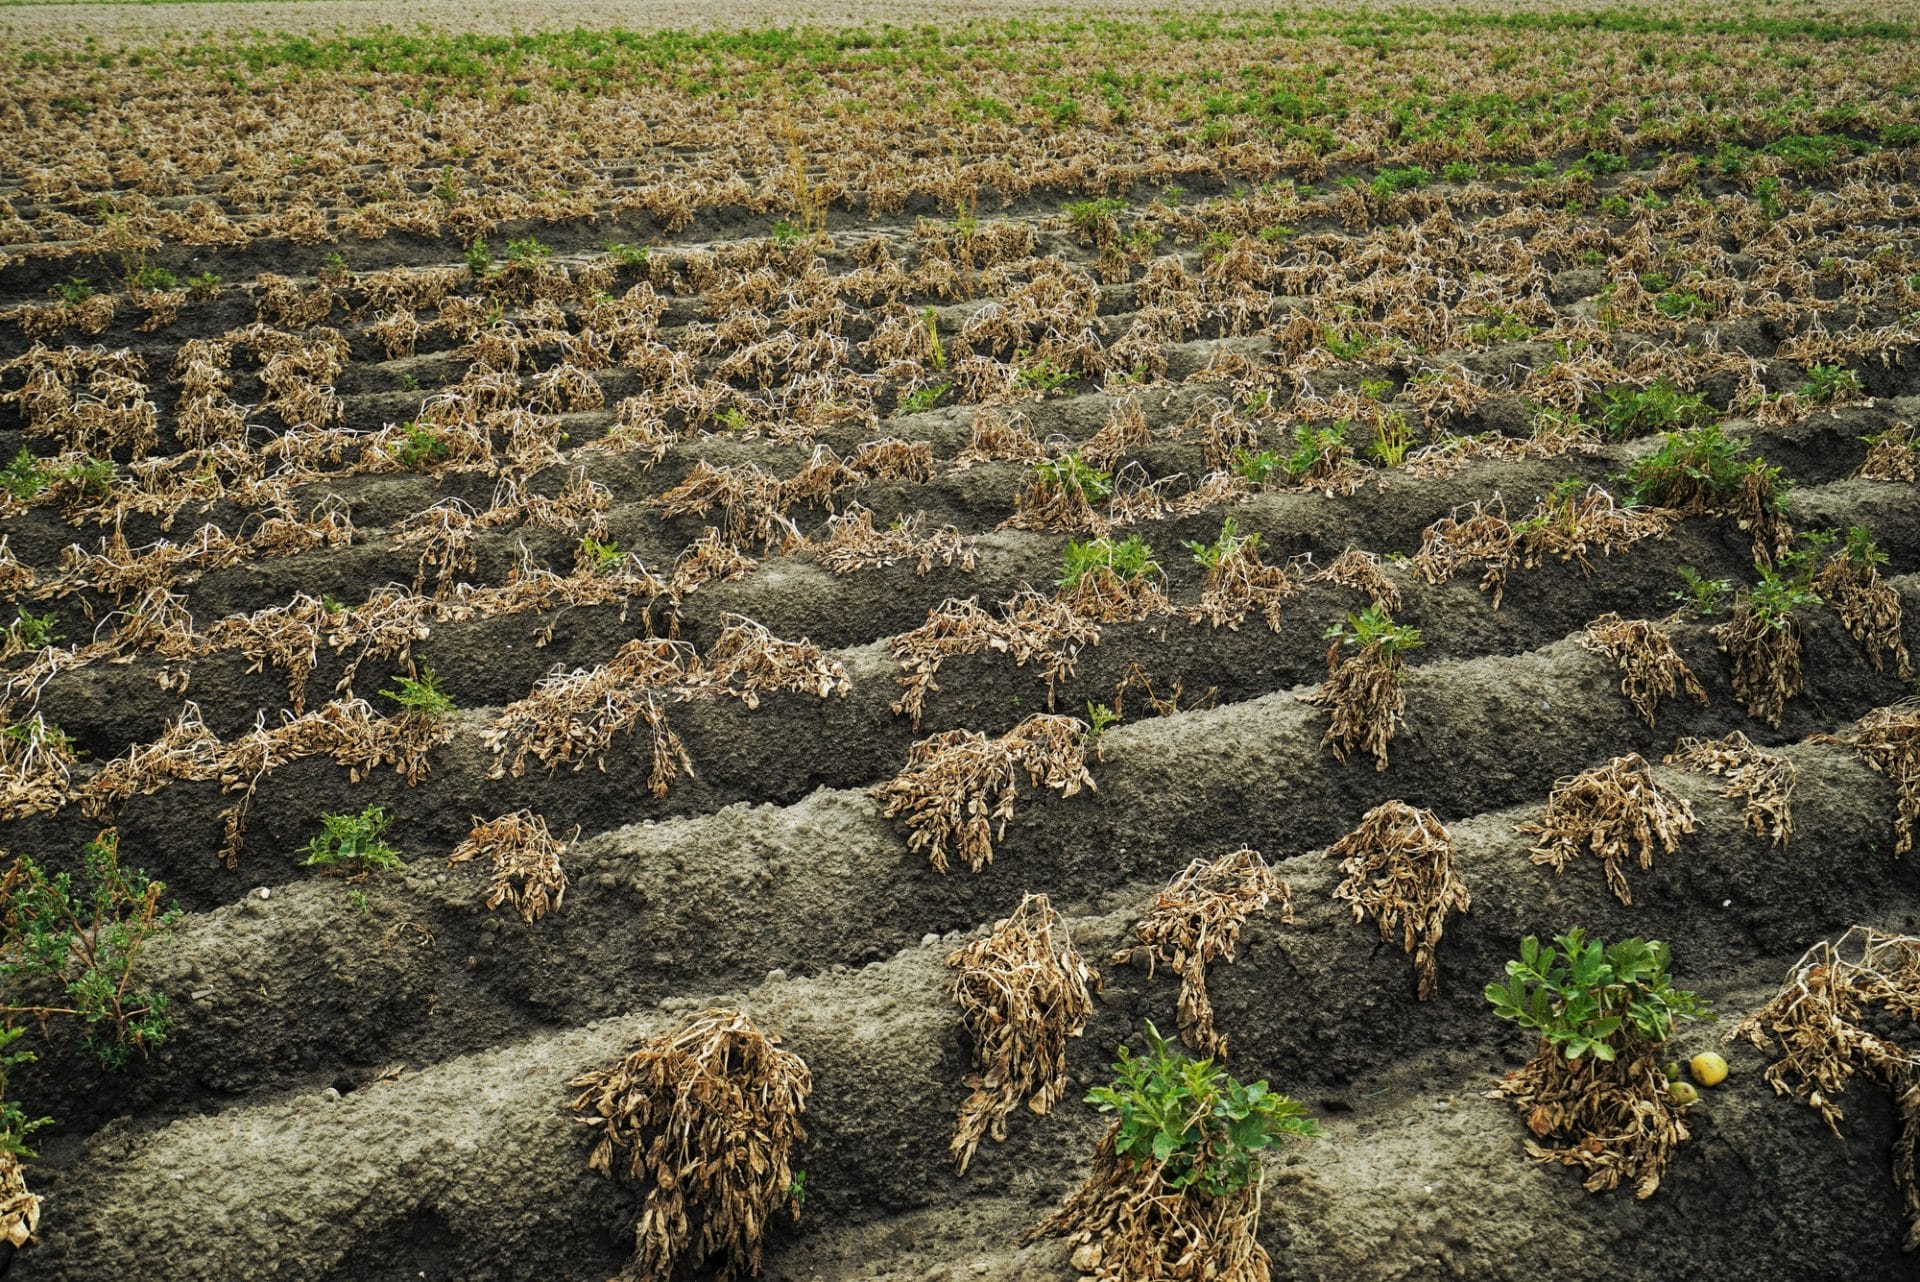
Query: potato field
[(1160, 647)]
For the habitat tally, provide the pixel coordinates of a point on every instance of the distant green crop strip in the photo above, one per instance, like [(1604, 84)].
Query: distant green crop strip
[(926, 45)]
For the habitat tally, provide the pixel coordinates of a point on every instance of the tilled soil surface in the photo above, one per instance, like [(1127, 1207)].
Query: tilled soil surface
[(426, 414)]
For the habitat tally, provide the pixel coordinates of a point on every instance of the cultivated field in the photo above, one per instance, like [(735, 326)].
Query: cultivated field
[(688, 630)]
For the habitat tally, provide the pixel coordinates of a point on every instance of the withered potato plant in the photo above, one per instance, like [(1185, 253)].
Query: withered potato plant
[(1838, 1015), (1619, 812), (1197, 920), (1650, 668), (1023, 992), (704, 1120), (1400, 872), (1362, 692), (1889, 740), (1764, 780), (525, 857), (959, 784)]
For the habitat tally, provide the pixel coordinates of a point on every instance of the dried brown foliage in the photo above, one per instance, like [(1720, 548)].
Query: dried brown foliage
[(1023, 994), (1031, 627), (1893, 456), (1764, 780), (525, 858), (1830, 1021), (19, 1209), (1650, 669), (1889, 739), (747, 661), (1481, 537), (1365, 702), (852, 543), (1567, 526), (1400, 872), (959, 784), (1196, 920), (1362, 571), (704, 1119), (1869, 607), (1238, 584), (573, 716), (347, 730), (999, 437), (1619, 812), (1615, 1119), (36, 768), (1129, 1224), (1104, 595), (1765, 649)]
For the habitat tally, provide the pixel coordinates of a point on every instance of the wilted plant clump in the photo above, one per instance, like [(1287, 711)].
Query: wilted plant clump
[(573, 716), (1889, 739), (959, 784), (1476, 535), (1197, 919), (1594, 1089), (1850, 582), (1362, 571), (1619, 811), (853, 543), (1832, 1020), (1765, 780), (1063, 496), (1237, 581), (1400, 872), (704, 1119), (1570, 521), (1175, 1190), (1023, 993), (527, 876), (1650, 669), (1111, 580), (1031, 627), (1762, 637), (1363, 690)]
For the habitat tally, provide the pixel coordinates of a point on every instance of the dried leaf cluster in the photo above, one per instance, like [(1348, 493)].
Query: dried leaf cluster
[(1619, 812), (1889, 739), (1197, 920), (1400, 872), (1764, 780), (1831, 1020), (526, 874), (959, 786), (1615, 1119), (1023, 994), (704, 1119), (1128, 1225), (1650, 668), (1367, 706)]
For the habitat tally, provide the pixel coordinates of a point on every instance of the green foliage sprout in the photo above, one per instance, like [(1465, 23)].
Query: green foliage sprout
[(84, 934), (1660, 407), (1372, 625), (1070, 472), (1128, 558), (1827, 383), (420, 696), (1702, 595), (23, 478), (1194, 1120), (354, 843), (1230, 540), (1587, 998)]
